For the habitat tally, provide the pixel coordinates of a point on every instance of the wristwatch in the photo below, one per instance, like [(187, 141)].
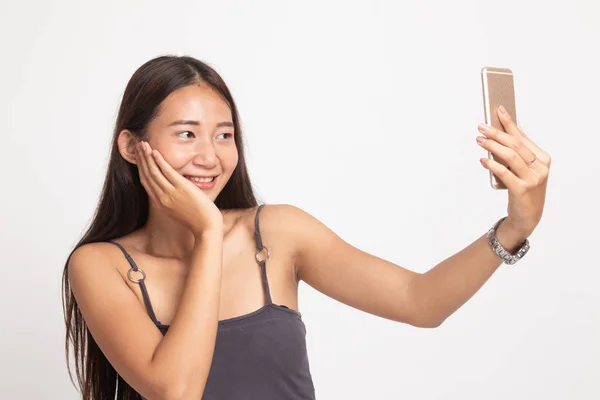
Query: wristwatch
[(501, 252)]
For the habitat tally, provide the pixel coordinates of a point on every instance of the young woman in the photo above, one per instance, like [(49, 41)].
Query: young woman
[(184, 288)]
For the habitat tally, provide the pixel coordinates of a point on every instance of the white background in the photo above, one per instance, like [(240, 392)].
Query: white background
[(363, 114)]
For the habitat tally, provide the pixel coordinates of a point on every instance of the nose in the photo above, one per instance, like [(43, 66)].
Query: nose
[(205, 154)]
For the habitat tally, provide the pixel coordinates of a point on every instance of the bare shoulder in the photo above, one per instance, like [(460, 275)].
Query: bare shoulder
[(95, 266), (98, 254), (114, 315), (96, 258), (280, 218), (296, 226), (280, 215)]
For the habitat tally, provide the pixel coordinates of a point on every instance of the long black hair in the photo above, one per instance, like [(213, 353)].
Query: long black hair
[(123, 205)]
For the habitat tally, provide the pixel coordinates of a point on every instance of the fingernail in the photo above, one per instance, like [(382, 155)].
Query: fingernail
[(502, 110), (483, 128), (480, 139)]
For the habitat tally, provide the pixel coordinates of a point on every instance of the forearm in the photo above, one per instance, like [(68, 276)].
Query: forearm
[(439, 292), (185, 354)]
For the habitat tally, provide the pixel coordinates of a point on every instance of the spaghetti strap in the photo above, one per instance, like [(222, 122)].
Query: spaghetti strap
[(140, 281), (262, 261)]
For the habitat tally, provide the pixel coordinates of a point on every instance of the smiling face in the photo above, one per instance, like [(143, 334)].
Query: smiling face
[(194, 132)]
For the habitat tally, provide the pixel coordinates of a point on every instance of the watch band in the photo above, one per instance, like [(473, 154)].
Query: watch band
[(500, 251)]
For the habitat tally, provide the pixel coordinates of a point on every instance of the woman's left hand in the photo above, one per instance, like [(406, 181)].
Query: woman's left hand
[(525, 178)]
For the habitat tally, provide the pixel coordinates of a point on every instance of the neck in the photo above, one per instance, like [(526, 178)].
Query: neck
[(167, 237)]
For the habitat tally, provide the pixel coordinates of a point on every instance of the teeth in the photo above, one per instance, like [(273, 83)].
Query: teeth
[(196, 179)]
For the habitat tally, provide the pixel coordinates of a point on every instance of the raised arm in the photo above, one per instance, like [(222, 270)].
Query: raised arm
[(175, 366), (379, 287)]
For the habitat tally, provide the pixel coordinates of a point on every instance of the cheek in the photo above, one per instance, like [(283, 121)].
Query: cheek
[(231, 158), (177, 158)]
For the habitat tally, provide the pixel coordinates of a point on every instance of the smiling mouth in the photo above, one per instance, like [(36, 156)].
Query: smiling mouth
[(201, 179), (203, 182)]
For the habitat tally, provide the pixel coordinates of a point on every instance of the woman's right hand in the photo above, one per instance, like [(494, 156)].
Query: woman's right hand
[(175, 194)]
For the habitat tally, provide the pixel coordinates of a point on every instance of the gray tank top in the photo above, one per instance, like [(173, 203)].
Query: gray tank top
[(260, 355)]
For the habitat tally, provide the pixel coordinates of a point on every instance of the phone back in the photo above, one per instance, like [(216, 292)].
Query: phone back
[(498, 89)]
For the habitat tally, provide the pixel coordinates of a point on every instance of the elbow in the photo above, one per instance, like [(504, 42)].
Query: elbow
[(182, 383), (178, 393), (181, 391), (428, 323), (426, 316), (422, 312), (431, 323), (422, 321)]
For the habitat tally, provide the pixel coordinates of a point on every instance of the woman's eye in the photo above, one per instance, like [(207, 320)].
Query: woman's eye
[(182, 133), (187, 134)]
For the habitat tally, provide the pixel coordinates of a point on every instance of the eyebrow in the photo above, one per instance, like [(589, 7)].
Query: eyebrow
[(197, 123)]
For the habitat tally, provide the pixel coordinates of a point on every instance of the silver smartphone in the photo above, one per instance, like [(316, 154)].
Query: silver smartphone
[(498, 89)]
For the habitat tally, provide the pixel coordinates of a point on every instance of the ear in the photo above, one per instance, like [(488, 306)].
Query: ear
[(126, 144)]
